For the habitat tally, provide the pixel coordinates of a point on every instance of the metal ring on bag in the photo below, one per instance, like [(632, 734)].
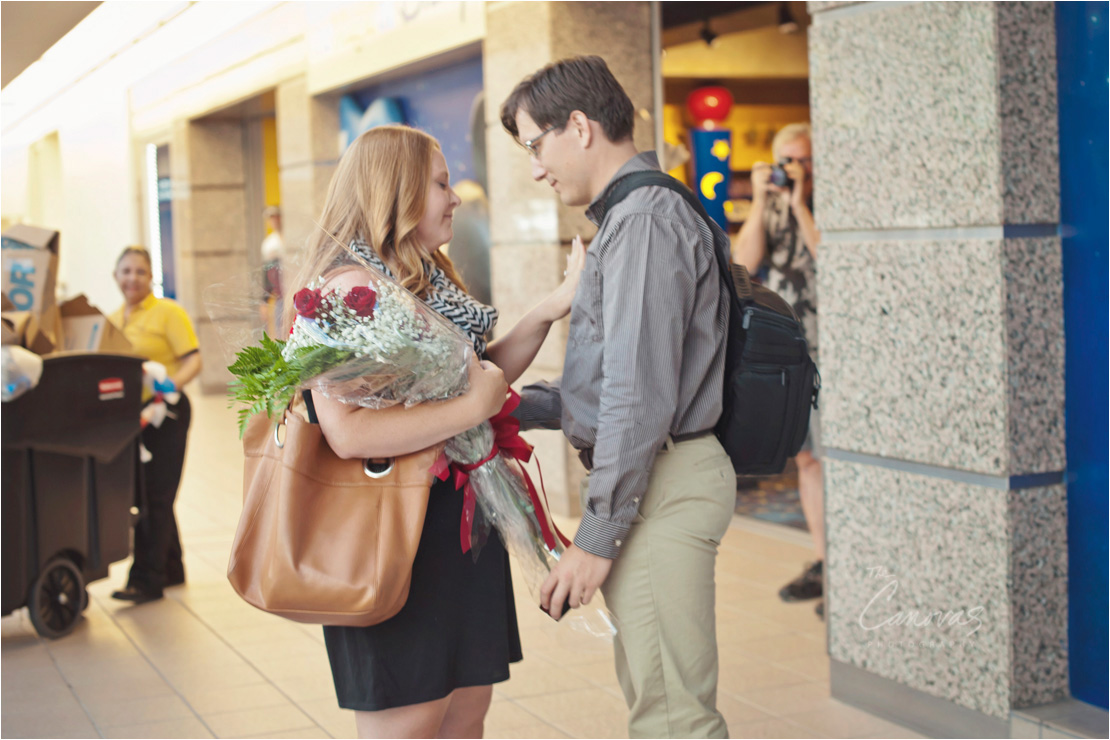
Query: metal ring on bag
[(377, 468), (277, 439)]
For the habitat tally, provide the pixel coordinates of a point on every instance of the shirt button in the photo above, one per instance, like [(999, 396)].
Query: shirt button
[(618, 543), (636, 500)]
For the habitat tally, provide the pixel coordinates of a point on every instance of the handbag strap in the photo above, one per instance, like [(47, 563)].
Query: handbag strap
[(310, 407)]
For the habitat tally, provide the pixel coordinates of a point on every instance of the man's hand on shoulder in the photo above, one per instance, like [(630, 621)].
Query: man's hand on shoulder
[(575, 578)]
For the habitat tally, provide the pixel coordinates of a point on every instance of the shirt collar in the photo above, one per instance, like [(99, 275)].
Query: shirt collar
[(148, 302), (641, 162)]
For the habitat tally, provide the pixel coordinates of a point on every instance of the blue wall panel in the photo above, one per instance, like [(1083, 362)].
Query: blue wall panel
[(1082, 69), (438, 102)]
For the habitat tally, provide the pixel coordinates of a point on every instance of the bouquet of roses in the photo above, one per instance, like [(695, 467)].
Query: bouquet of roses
[(370, 347), (380, 345)]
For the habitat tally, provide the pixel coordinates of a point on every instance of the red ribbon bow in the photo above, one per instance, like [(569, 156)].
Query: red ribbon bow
[(506, 439)]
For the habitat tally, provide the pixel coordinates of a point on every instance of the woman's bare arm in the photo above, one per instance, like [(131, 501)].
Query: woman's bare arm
[(353, 432)]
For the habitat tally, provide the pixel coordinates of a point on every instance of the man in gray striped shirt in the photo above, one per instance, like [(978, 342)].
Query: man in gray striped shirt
[(639, 397)]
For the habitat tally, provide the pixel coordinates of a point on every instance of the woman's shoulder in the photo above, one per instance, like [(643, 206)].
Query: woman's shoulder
[(347, 277)]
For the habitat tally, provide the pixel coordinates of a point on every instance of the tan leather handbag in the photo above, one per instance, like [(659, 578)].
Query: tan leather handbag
[(321, 539)]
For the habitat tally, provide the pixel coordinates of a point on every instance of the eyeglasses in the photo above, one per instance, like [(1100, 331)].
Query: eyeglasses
[(530, 145)]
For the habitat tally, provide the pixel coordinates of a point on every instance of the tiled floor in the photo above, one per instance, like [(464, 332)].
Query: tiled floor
[(202, 663)]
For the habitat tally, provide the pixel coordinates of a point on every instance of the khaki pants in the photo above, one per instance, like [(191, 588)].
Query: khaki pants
[(661, 593)]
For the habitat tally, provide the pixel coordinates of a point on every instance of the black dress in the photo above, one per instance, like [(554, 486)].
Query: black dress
[(457, 629)]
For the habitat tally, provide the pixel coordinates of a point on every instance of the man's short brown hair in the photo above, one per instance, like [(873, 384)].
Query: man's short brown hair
[(580, 83)]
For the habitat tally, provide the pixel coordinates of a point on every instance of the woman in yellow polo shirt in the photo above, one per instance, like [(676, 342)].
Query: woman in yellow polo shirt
[(159, 330)]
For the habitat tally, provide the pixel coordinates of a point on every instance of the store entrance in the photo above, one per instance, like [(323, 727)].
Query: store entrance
[(756, 54)]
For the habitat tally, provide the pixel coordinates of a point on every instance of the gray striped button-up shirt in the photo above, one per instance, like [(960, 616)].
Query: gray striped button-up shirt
[(645, 353)]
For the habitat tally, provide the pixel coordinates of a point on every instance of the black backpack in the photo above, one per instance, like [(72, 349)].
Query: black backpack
[(770, 380)]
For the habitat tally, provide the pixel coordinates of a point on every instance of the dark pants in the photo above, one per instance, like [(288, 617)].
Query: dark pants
[(157, 545)]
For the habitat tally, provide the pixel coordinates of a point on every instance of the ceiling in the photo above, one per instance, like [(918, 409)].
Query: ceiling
[(681, 13), (28, 29), (685, 22)]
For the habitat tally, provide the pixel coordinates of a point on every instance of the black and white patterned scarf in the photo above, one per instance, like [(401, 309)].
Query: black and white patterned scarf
[(475, 318)]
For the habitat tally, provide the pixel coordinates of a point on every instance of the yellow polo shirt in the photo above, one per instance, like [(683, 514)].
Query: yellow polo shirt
[(159, 330)]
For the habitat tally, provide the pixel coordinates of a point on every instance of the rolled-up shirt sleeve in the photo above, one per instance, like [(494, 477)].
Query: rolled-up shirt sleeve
[(648, 293), (541, 406)]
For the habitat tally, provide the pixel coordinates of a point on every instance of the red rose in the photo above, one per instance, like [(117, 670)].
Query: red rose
[(361, 300), (308, 302)]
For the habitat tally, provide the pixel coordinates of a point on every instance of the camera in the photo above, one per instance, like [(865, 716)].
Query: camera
[(779, 178)]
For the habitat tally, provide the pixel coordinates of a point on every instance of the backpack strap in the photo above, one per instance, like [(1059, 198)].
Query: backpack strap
[(646, 178)]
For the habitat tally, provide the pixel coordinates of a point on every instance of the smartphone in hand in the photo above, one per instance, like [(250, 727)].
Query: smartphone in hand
[(566, 608)]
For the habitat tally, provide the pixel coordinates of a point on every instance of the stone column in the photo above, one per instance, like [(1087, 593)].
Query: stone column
[(942, 350), (308, 150), (530, 228), (209, 223)]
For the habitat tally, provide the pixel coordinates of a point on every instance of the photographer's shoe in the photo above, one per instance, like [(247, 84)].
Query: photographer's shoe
[(809, 585)]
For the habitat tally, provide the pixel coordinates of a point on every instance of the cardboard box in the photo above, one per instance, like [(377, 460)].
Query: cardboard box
[(86, 329), (28, 330), (7, 334), (29, 257), (31, 317), (14, 325)]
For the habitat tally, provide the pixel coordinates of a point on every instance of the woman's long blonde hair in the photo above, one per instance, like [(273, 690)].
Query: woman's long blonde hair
[(379, 193)]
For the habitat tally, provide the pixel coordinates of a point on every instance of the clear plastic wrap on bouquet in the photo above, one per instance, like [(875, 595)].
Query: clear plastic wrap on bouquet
[(488, 466), (377, 346)]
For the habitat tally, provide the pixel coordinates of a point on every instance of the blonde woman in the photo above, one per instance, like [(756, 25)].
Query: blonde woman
[(429, 671)]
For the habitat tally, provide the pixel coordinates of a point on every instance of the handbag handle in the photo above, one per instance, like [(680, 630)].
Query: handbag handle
[(373, 468)]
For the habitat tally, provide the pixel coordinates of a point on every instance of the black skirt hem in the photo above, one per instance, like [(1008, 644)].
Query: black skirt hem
[(434, 696)]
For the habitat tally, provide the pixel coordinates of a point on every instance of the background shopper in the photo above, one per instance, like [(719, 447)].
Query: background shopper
[(273, 249)]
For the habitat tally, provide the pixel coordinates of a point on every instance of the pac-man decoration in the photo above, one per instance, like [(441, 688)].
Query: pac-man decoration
[(712, 170), (709, 184)]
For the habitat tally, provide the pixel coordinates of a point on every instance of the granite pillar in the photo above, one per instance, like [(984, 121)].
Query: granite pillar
[(210, 227), (530, 228), (308, 150), (942, 351)]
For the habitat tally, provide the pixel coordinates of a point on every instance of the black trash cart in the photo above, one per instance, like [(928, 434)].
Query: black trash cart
[(71, 479)]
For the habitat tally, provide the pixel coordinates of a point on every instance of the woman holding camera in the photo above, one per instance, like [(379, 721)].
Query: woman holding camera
[(782, 235)]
